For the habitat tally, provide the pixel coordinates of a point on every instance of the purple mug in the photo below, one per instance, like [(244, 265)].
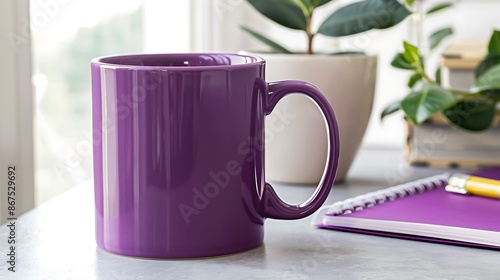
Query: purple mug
[(179, 153)]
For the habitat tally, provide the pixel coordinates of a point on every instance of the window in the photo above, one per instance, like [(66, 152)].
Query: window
[(16, 145), (66, 36)]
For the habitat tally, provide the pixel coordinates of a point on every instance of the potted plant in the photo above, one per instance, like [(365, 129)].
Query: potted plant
[(471, 110), (429, 107), (296, 147)]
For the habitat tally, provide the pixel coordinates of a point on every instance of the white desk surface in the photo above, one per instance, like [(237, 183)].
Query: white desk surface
[(56, 241)]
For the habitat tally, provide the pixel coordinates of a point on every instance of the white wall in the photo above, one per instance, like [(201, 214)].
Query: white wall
[(472, 20), (167, 26)]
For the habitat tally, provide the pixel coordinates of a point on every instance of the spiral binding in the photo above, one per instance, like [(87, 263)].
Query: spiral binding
[(378, 197)]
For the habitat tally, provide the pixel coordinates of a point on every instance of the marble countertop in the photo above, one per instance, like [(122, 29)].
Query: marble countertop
[(56, 241)]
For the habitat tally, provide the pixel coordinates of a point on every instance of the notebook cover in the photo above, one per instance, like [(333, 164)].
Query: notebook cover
[(436, 207)]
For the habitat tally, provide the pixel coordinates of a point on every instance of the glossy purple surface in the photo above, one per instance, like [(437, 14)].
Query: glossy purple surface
[(179, 154)]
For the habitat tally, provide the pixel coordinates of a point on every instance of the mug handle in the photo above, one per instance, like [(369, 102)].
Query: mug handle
[(274, 206)]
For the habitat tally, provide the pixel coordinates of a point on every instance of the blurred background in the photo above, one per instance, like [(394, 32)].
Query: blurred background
[(66, 35)]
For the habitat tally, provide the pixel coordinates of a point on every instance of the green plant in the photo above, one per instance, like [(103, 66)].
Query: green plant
[(351, 19), (406, 61), (471, 110)]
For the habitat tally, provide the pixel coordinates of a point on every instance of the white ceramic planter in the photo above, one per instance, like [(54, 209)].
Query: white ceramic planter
[(296, 143)]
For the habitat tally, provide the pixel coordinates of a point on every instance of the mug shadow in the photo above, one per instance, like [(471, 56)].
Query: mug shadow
[(256, 252)]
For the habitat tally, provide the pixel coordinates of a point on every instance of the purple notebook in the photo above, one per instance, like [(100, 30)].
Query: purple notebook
[(422, 210)]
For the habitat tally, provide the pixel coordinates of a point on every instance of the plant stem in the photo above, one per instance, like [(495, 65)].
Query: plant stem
[(310, 35), (459, 92), (422, 73), (455, 91), (310, 43)]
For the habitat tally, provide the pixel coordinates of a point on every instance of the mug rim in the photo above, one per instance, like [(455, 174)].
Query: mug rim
[(248, 61)]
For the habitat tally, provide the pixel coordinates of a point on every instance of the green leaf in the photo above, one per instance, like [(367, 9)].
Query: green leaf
[(285, 12), (318, 3), (410, 2), (414, 79), (307, 3), (363, 16), (411, 53), (488, 83), (400, 62), (471, 114), (439, 7), (490, 78), (274, 46), (488, 62), (347, 53), (392, 108), (314, 3), (490, 92), (421, 105), (438, 76), (438, 36), (494, 45), (484, 89)]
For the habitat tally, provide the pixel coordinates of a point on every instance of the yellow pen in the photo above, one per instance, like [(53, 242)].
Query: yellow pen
[(466, 184)]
